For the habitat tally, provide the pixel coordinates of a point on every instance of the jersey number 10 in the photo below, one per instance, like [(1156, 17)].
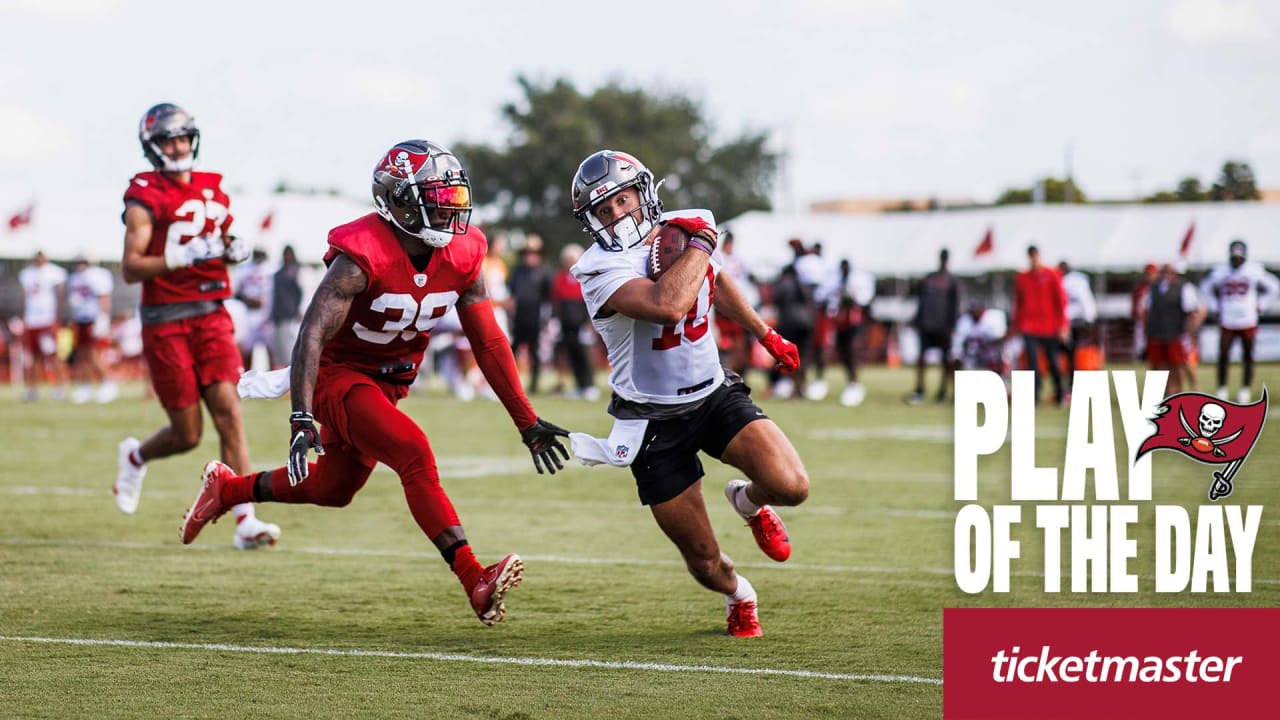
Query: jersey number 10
[(694, 324)]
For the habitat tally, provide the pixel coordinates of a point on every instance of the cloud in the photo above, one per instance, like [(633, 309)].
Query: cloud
[(1222, 22), (62, 10), (29, 136)]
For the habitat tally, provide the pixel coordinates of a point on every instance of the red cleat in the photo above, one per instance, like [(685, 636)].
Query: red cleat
[(771, 535), (208, 505), (743, 621), (490, 593)]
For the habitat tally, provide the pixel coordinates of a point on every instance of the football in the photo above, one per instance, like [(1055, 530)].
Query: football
[(668, 244)]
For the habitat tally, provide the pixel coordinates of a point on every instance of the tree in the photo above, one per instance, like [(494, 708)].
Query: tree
[(1235, 182), (1189, 190), (554, 126), (1055, 191)]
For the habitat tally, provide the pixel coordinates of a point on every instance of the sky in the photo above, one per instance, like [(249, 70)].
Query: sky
[(868, 98)]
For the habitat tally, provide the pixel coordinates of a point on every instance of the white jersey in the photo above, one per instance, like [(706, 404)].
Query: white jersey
[(1081, 305), (860, 285), (989, 328), (253, 281), (40, 291), (651, 363), (1239, 294), (84, 290)]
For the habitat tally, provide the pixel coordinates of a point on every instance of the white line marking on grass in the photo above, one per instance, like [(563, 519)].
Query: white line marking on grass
[(557, 559), (454, 657)]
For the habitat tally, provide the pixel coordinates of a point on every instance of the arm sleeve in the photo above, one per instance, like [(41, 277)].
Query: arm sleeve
[(1190, 298), (493, 355)]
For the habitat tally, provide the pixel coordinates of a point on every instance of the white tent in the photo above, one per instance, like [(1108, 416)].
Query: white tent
[(1090, 237), (92, 225)]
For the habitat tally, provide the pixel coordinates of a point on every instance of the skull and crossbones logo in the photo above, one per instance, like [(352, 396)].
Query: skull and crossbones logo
[(1212, 415)]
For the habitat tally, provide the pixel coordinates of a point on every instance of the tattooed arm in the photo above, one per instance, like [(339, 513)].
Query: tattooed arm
[(326, 313)]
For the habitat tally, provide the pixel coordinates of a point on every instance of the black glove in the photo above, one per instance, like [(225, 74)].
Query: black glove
[(302, 428), (542, 442)]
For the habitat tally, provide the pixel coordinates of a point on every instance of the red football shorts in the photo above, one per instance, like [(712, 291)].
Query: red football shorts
[(86, 339), (1166, 353), (41, 341), (730, 332), (186, 356), (1246, 334)]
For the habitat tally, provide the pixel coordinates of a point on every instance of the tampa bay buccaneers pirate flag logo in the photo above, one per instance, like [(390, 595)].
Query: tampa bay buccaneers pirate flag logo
[(1213, 431)]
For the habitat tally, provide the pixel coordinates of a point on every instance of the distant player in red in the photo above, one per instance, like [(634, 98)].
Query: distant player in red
[(392, 275), (177, 245)]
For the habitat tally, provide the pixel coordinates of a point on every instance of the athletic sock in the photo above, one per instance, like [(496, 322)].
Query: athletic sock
[(238, 491), (465, 566), (743, 504), (744, 593), (244, 511), (135, 457)]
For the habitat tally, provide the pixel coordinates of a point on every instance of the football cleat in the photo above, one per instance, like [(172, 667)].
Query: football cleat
[(208, 505), (1243, 396), (488, 597), (853, 395), (766, 526), (128, 487), (252, 533), (816, 391), (743, 621)]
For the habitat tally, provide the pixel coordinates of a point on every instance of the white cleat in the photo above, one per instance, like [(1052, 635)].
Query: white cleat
[(128, 487), (1222, 393), (81, 395), (783, 388), (853, 395), (252, 533), (816, 391), (1243, 396), (107, 392)]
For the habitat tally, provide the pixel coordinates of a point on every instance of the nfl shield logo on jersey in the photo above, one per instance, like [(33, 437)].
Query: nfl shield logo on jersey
[(420, 280)]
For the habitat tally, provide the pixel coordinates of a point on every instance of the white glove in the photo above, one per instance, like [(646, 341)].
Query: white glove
[(238, 250), (178, 254)]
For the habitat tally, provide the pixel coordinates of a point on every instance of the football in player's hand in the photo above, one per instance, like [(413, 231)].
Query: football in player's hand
[(669, 243)]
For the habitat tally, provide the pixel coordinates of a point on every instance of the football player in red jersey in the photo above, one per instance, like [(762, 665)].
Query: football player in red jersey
[(177, 245), (392, 275)]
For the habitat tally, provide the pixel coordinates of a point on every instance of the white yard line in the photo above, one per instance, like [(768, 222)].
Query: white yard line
[(557, 559), (454, 657)]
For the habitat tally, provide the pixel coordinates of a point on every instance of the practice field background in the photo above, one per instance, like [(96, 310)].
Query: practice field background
[(607, 622)]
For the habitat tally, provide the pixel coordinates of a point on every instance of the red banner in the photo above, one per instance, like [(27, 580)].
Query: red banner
[(1109, 663)]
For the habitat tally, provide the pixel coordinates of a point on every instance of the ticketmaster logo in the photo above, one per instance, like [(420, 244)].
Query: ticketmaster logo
[(1094, 668)]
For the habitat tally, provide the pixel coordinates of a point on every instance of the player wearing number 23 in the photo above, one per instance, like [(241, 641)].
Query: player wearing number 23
[(671, 396), (392, 275), (177, 244)]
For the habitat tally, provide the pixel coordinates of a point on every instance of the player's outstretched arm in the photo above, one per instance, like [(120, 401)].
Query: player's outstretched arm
[(730, 302), (325, 315), (493, 356)]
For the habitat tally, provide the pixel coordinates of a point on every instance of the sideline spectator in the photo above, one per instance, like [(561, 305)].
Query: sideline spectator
[(570, 310), (89, 297), (937, 310), (286, 308), (530, 288), (1040, 316), (1174, 314), (1082, 313), (42, 305)]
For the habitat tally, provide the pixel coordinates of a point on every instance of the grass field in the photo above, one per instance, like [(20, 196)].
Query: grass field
[(355, 615)]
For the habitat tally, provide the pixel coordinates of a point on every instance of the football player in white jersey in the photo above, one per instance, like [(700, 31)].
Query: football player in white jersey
[(89, 298), (42, 306), (671, 396), (1239, 290)]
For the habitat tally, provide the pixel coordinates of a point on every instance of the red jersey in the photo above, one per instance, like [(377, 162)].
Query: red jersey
[(1039, 303), (390, 323), (182, 211)]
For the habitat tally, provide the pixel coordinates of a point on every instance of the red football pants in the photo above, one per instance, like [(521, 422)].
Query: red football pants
[(365, 429)]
